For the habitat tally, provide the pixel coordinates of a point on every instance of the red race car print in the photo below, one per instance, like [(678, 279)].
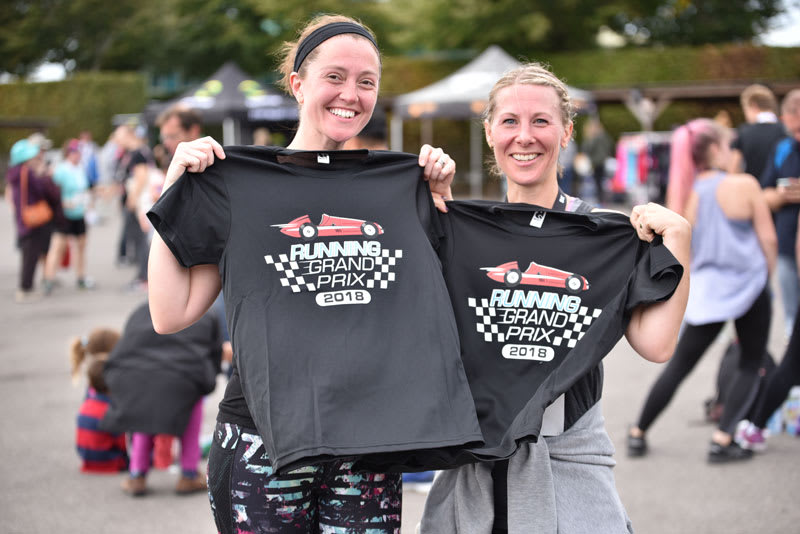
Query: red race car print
[(536, 275), (303, 228)]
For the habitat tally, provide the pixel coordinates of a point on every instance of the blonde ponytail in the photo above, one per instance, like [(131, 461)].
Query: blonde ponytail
[(77, 354), (98, 344)]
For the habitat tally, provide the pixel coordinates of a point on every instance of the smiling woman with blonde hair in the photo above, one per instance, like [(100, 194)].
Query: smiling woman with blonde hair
[(563, 482)]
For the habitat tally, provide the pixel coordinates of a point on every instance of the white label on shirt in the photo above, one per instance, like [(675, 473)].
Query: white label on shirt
[(323, 158), (538, 219)]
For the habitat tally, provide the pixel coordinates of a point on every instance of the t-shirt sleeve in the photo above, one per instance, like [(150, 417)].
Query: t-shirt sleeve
[(137, 158), (427, 212), (193, 217), (655, 277), (736, 142), (769, 176), (444, 246)]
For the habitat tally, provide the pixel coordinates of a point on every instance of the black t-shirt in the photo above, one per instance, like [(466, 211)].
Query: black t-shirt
[(338, 313), (540, 297), (233, 406), (128, 163), (755, 141), (136, 157)]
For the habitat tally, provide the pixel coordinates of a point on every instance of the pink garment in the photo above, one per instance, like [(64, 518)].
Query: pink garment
[(618, 182), (142, 445)]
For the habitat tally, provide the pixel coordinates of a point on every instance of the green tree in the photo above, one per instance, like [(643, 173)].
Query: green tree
[(24, 42), (694, 22), (194, 37), (82, 34), (206, 34), (524, 27), (190, 37)]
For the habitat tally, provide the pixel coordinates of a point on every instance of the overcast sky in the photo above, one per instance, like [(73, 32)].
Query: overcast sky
[(787, 30)]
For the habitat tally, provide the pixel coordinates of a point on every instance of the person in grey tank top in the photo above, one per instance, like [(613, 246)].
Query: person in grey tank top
[(734, 249)]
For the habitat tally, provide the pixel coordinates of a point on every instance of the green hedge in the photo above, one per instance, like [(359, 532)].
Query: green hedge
[(708, 63), (85, 101), (621, 67)]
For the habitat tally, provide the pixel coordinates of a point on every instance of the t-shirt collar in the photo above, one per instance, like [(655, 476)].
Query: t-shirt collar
[(766, 117)]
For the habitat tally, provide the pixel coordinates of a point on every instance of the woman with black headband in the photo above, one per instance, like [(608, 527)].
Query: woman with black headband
[(333, 71)]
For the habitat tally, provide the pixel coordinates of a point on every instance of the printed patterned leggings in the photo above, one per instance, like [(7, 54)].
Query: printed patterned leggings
[(247, 497)]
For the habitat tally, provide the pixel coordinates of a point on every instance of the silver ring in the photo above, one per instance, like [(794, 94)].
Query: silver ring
[(442, 162)]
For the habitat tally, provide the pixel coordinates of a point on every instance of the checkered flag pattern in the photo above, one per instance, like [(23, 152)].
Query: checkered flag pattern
[(491, 332), (576, 325), (383, 269), (288, 272)]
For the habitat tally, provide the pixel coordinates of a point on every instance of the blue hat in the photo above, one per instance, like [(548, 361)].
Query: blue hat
[(22, 151)]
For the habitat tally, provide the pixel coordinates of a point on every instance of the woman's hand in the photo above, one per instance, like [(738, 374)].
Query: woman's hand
[(651, 219), (653, 329), (193, 156), (439, 170)]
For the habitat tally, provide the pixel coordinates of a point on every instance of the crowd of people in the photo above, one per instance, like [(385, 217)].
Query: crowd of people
[(491, 374), (50, 205), (70, 184), (740, 191)]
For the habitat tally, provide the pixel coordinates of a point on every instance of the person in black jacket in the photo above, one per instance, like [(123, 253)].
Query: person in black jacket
[(759, 134), (157, 385)]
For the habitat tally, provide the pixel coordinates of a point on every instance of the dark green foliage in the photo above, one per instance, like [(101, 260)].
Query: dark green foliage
[(693, 22), (194, 37)]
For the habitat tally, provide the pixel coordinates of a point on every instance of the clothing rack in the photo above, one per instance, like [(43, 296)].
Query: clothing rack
[(642, 166)]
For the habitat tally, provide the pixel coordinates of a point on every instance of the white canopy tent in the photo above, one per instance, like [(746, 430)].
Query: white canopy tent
[(462, 95)]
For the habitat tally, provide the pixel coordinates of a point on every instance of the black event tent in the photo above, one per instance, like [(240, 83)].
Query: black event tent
[(231, 97)]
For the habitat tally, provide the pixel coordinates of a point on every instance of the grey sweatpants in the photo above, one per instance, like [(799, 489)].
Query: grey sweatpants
[(562, 484)]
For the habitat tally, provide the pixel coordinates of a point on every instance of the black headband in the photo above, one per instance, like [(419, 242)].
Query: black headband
[(320, 35)]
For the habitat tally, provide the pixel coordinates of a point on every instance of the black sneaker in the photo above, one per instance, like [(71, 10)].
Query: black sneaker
[(636, 446), (720, 454)]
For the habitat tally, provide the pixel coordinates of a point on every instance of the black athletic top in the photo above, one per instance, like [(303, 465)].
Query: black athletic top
[(755, 141), (344, 337)]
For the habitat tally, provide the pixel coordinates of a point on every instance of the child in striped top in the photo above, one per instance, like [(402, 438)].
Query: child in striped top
[(100, 451)]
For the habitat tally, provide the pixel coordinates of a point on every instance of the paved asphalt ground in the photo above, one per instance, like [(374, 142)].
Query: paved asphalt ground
[(673, 490)]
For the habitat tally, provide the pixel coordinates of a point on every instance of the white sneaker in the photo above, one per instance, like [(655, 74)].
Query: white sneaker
[(25, 297)]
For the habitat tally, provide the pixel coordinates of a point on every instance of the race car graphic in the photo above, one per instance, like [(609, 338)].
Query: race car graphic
[(302, 227), (536, 275)]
